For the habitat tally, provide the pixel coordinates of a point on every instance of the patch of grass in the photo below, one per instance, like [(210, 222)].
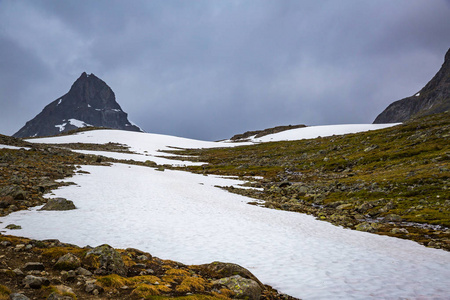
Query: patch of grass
[(4, 292)]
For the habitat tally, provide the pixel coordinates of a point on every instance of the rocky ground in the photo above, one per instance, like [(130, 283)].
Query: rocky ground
[(31, 269)]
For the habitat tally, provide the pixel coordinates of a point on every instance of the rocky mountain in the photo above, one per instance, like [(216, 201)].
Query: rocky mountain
[(89, 102), (433, 98)]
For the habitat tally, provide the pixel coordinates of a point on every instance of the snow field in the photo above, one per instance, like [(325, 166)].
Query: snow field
[(182, 216)]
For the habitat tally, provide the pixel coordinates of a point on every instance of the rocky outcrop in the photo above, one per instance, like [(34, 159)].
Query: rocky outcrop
[(433, 98), (58, 204), (28, 271), (89, 102)]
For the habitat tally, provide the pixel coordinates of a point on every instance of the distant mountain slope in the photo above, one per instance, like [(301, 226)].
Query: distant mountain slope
[(259, 133), (433, 98), (89, 102)]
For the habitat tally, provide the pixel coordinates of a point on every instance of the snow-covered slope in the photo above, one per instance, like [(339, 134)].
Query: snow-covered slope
[(312, 132), (185, 217), (146, 145)]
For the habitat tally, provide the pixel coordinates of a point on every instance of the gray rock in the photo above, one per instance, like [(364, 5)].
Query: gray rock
[(109, 259), (243, 288), (17, 296), (33, 266), (58, 204), (83, 271), (35, 282), (68, 262), (392, 218)]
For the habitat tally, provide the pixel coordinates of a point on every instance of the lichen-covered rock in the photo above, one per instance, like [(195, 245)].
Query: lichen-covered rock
[(367, 227), (242, 287), (68, 262), (58, 204), (220, 270), (13, 227), (106, 260)]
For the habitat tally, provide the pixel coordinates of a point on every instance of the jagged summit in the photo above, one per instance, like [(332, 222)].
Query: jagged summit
[(89, 102), (431, 99)]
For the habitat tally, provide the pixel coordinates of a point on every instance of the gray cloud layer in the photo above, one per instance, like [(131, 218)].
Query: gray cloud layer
[(210, 69)]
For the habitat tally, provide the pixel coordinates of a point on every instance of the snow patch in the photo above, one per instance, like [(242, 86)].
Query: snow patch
[(78, 123), (61, 127), (418, 94), (12, 147), (116, 110), (59, 102), (184, 217), (312, 132)]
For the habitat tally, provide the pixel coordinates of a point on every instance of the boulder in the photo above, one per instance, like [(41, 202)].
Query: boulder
[(33, 266), (242, 287), (17, 296), (58, 204), (68, 262), (35, 282), (219, 269), (106, 260)]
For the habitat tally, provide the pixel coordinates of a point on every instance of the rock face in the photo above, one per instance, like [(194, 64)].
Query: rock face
[(90, 102), (433, 98)]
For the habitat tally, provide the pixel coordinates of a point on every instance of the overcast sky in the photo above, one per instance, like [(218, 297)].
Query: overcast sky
[(210, 69)]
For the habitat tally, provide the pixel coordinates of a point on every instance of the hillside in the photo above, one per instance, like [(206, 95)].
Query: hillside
[(393, 181), (431, 99)]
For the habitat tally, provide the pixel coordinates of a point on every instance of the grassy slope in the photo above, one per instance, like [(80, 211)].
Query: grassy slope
[(374, 181)]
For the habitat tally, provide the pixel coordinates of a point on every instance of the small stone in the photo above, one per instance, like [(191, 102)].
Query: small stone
[(18, 272), (83, 271), (399, 231), (19, 247)]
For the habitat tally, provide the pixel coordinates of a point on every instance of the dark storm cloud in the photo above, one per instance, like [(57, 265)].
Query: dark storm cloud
[(210, 69)]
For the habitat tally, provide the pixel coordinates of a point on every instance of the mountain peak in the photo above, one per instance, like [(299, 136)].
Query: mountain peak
[(89, 102), (433, 98)]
